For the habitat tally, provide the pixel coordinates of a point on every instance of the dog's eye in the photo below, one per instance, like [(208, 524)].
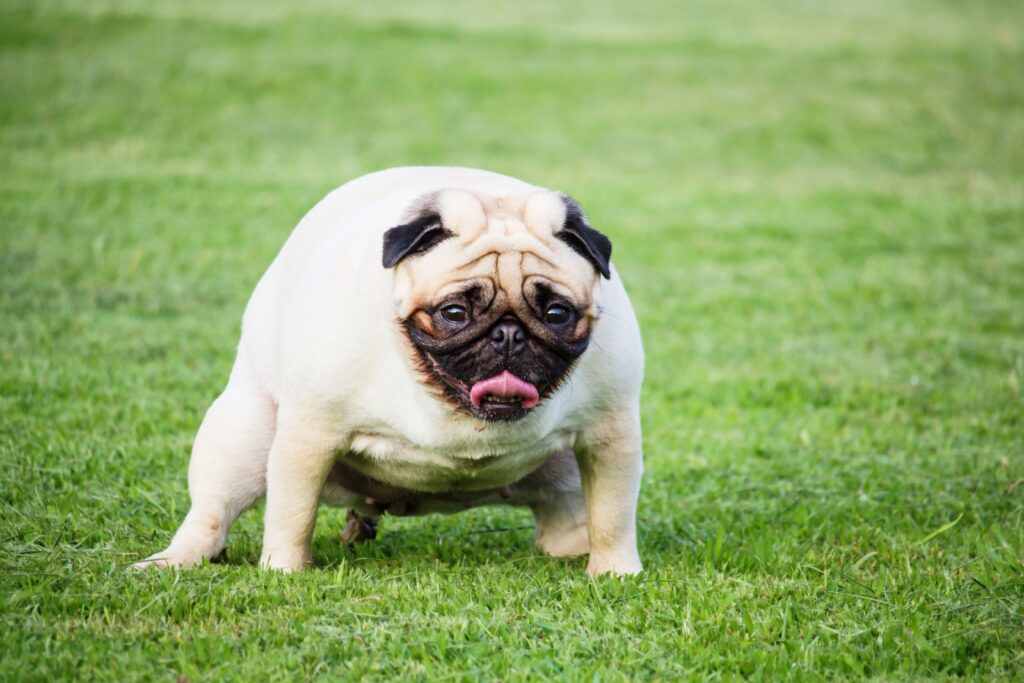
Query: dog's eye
[(454, 313), (557, 314)]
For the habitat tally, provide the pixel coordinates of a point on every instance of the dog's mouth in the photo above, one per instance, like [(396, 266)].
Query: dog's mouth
[(504, 389), (503, 397)]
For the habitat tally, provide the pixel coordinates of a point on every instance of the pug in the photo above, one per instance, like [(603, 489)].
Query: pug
[(429, 340)]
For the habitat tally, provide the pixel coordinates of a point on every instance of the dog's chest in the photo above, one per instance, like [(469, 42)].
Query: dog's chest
[(468, 468)]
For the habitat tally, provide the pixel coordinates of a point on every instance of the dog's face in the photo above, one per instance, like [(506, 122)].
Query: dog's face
[(496, 297)]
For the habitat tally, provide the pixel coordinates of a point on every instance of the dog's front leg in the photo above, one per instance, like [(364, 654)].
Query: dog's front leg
[(296, 469), (610, 457)]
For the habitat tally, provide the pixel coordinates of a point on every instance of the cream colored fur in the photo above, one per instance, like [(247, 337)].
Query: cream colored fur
[(323, 372)]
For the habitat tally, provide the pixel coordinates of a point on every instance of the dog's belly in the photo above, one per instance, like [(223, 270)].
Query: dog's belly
[(347, 487), (394, 463)]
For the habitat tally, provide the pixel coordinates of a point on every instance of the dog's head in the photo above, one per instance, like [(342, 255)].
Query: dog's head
[(496, 296)]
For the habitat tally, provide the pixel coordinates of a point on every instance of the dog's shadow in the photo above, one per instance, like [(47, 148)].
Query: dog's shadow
[(476, 537)]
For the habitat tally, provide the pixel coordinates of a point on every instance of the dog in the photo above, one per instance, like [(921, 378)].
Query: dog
[(429, 340)]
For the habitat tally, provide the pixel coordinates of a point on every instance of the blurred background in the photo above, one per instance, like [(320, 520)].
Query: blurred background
[(817, 208)]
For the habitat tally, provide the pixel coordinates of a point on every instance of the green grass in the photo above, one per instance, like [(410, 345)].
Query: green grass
[(819, 211)]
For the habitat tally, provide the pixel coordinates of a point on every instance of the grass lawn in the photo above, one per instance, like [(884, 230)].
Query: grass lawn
[(819, 212)]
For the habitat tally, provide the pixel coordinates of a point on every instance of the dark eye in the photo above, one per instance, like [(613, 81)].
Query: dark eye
[(557, 314), (454, 313)]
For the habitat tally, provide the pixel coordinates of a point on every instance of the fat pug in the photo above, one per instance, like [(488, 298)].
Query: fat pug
[(429, 340)]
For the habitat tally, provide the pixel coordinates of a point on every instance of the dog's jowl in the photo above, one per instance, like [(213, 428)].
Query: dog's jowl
[(429, 340)]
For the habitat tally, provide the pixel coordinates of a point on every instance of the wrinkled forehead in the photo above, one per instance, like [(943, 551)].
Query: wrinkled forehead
[(503, 220), (508, 240)]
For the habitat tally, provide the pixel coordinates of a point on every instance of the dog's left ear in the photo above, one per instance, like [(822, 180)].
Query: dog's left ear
[(584, 240), (416, 237)]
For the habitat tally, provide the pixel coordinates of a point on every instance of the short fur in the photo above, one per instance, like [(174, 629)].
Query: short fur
[(333, 396)]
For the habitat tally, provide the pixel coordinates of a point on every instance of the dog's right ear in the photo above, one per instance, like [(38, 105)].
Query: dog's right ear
[(416, 237)]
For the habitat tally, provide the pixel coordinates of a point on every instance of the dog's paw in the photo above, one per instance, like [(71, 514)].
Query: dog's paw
[(287, 562), (169, 558), (358, 528), (570, 542), (617, 564)]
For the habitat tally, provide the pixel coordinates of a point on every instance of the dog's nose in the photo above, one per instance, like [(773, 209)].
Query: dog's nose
[(508, 336)]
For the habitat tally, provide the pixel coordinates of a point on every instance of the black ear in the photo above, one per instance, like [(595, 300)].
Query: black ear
[(413, 238), (587, 242)]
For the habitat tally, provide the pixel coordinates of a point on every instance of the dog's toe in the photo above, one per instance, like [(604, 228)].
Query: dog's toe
[(169, 558), (158, 561)]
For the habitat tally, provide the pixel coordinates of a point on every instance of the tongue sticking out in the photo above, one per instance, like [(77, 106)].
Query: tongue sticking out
[(504, 386)]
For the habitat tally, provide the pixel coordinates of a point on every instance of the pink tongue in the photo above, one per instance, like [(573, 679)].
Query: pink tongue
[(505, 385)]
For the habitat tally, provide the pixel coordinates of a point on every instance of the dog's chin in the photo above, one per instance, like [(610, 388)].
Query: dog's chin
[(494, 410)]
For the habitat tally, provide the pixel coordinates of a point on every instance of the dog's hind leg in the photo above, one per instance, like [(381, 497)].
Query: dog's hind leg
[(555, 495), (228, 469)]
